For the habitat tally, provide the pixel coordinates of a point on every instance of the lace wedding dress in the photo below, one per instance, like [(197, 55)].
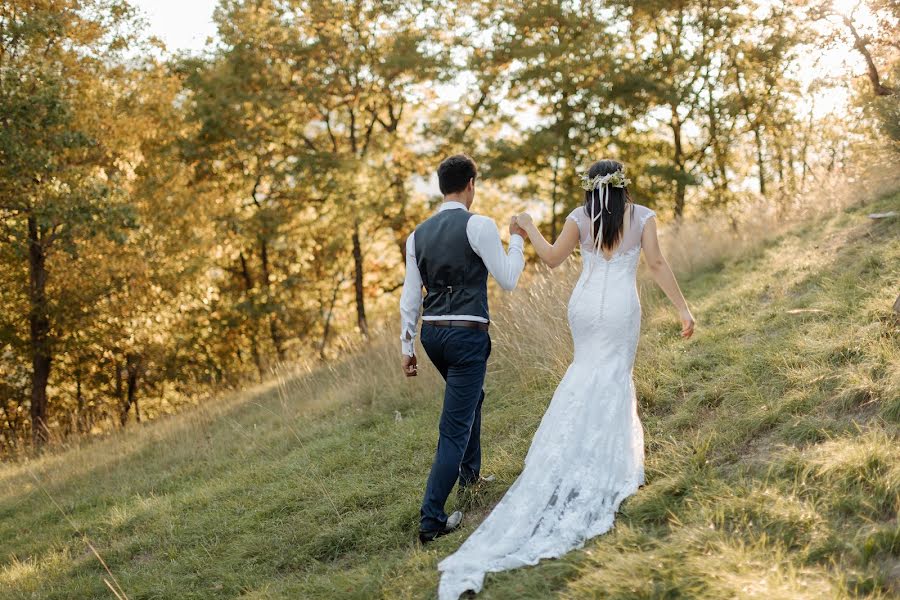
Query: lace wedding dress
[(587, 455)]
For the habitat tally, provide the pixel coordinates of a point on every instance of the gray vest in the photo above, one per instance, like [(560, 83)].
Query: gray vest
[(455, 278)]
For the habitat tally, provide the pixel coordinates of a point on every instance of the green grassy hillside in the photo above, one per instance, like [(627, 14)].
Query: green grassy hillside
[(773, 462)]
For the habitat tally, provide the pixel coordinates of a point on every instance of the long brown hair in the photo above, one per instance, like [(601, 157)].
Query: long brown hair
[(614, 215)]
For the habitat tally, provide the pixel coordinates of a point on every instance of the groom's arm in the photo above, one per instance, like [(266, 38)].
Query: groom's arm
[(485, 241), (410, 302)]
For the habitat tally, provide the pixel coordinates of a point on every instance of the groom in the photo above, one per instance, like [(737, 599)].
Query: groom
[(451, 254)]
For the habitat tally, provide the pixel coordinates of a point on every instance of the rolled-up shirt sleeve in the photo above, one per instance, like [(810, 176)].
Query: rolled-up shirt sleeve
[(410, 300), (484, 238)]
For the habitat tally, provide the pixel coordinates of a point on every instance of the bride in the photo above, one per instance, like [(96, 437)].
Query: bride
[(587, 455)]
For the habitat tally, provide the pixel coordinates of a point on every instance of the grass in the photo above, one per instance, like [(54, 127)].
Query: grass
[(773, 462)]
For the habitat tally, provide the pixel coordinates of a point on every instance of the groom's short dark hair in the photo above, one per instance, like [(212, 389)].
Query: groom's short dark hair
[(455, 172)]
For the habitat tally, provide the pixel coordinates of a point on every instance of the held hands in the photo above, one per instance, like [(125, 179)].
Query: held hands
[(519, 225), (524, 221), (514, 228), (410, 368)]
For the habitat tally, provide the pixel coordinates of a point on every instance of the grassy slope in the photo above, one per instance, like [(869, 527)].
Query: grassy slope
[(773, 460)]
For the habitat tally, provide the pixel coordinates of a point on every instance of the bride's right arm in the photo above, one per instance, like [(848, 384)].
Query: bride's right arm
[(663, 276), (553, 254)]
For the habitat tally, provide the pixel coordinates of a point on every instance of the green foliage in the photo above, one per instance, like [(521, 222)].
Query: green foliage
[(887, 112)]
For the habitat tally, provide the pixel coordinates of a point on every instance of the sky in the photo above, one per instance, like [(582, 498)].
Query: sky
[(180, 24), (185, 25)]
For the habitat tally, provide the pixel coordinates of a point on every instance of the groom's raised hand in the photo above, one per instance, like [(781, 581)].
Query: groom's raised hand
[(410, 368)]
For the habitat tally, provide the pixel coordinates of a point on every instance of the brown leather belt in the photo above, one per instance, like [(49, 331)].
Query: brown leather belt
[(467, 324)]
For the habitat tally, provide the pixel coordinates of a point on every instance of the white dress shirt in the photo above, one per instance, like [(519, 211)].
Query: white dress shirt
[(485, 241)]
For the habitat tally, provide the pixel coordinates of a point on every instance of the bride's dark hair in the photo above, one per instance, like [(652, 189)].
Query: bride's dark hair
[(613, 220)]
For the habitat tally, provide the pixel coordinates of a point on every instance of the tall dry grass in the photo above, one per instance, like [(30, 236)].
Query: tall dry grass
[(529, 331)]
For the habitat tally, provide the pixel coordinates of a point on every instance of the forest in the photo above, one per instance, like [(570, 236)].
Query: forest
[(176, 224)]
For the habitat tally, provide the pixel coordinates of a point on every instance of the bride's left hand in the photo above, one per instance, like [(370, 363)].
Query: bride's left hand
[(524, 220), (687, 324)]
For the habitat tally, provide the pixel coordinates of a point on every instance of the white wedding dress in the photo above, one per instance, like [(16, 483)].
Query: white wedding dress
[(587, 454)]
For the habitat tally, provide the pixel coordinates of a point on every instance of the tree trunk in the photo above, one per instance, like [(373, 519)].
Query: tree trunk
[(79, 397), (399, 223), (678, 161), (248, 287), (326, 330), (791, 168), (120, 390), (719, 167), (859, 43), (274, 332), (779, 162), (553, 199), (358, 283), (132, 368), (680, 194), (134, 365), (759, 160), (39, 320), (804, 151), (756, 133)]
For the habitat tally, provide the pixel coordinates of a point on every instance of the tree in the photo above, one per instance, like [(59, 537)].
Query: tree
[(557, 61), (361, 63), (248, 157), (879, 50), (61, 172)]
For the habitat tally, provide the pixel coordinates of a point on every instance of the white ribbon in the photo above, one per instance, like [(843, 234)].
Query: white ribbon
[(604, 205)]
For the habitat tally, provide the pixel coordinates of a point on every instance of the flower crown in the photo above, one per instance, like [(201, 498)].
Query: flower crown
[(615, 179)]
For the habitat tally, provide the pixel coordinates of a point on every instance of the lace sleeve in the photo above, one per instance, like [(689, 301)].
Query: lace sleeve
[(647, 214), (581, 220), (574, 216)]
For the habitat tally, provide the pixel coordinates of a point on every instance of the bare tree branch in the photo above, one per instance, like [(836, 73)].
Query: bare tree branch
[(860, 44)]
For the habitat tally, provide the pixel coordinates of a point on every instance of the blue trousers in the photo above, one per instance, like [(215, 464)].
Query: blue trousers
[(460, 355)]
